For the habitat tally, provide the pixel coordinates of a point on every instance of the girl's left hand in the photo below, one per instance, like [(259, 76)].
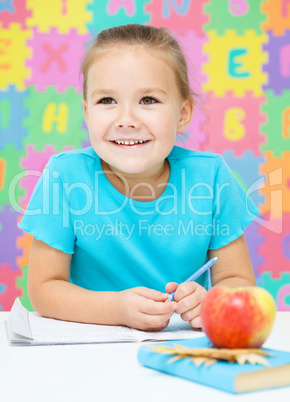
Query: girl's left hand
[(188, 296)]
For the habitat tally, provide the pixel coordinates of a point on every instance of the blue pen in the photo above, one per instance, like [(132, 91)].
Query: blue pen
[(193, 277)]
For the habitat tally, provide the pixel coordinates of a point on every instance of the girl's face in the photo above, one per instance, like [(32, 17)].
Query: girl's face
[(133, 109)]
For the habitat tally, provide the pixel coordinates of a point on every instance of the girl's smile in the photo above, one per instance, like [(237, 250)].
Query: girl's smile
[(130, 142), (133, 121)]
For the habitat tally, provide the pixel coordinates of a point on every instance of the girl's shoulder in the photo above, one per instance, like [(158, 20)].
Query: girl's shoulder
[(76, 154), (76, 163), (189, 156)]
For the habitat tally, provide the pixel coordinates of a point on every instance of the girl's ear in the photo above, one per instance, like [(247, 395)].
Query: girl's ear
[(86, 113), (185, 114)]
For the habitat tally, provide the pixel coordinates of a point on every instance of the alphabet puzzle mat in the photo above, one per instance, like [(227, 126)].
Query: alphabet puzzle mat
[(239, 58)]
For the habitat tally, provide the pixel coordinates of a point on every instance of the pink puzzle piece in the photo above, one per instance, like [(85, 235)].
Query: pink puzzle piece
[(234, 124), (181, 15), (14, 11), (192, 46), (51, 62), (8, 289), (276, 249)]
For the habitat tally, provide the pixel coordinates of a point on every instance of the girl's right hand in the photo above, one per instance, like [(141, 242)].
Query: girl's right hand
[(145, 309)]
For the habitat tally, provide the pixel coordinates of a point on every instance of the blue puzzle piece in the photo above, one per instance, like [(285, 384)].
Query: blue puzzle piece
[(109, 13), (246, 169), (12, 113), (7, 5)]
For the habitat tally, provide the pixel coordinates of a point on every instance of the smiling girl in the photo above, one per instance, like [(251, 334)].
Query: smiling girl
[(119, 225)]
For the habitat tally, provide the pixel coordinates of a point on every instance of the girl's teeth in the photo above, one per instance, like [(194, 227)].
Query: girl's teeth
[(120, 142)]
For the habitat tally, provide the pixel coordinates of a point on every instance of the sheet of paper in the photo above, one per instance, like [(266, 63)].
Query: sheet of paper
[(177, 329), (47, 330), (30, 328), (18, 320)]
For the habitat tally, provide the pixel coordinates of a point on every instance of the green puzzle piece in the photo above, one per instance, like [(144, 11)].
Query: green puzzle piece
[(10, 172), (234, 14), (277, 128), (55, 119), (273, 285), (22, 284)]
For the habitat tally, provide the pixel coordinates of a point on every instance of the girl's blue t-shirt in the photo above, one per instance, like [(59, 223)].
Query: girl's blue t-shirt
[(119, 243)]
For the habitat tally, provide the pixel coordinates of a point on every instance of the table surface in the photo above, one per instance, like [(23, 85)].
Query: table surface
[(110, 372)]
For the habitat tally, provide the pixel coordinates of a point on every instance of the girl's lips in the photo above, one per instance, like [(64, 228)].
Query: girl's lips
[(129, 143)]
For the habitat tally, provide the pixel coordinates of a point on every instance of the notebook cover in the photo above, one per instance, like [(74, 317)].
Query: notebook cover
[(220, 375)]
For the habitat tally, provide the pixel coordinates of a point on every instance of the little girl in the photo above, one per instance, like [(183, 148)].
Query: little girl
[(119, 225)]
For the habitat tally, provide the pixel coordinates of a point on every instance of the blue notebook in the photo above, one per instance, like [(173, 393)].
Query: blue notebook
[(230, 377)]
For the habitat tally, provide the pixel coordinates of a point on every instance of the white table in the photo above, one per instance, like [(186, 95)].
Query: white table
[(110, 372)]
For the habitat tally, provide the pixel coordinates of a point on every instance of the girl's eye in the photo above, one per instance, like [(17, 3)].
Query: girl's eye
[(148, 100), (106, 101)]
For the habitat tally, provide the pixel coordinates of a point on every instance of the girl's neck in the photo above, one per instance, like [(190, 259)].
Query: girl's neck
[(143, 187)]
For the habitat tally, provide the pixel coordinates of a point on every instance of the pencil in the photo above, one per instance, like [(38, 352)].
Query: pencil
[(197, 274)]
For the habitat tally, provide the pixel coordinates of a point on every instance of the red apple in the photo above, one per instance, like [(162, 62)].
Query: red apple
[(237, 317)]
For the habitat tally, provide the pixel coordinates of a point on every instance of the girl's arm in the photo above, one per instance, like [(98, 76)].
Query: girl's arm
[(52, 295), (233, 267)]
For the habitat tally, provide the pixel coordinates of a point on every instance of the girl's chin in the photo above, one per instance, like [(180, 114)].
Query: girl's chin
[(129, 170), (126, 168)]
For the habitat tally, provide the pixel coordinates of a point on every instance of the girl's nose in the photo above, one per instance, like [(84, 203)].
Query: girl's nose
[(127, 120), (123, 124)]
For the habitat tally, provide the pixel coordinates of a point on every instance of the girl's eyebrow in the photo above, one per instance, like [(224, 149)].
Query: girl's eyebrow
[(102, 92), (154, 89), (111, 92)]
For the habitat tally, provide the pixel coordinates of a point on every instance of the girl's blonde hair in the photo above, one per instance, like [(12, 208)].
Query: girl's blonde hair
[(158, 40)]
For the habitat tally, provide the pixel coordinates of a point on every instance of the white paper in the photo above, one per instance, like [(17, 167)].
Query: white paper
[(31, 329)]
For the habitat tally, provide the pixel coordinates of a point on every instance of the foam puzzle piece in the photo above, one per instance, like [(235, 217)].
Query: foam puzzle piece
[(283, 296), (276, 188), (51, 62), (192, 44), (279, 289), (180, 15), (8, 233), (277, 262), (235, 63), (8, 289), (246, 169), (34, 163), (12, 105), (23, 242), (233, 123), (21, 283), (10, 175), (117, 12), (278, 66), (13, 54), (86, 142), (54, 119), (61, 14), (277, 127), (254, 238), (3, 167), (278, 16), (13, 11), (234, 14)]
